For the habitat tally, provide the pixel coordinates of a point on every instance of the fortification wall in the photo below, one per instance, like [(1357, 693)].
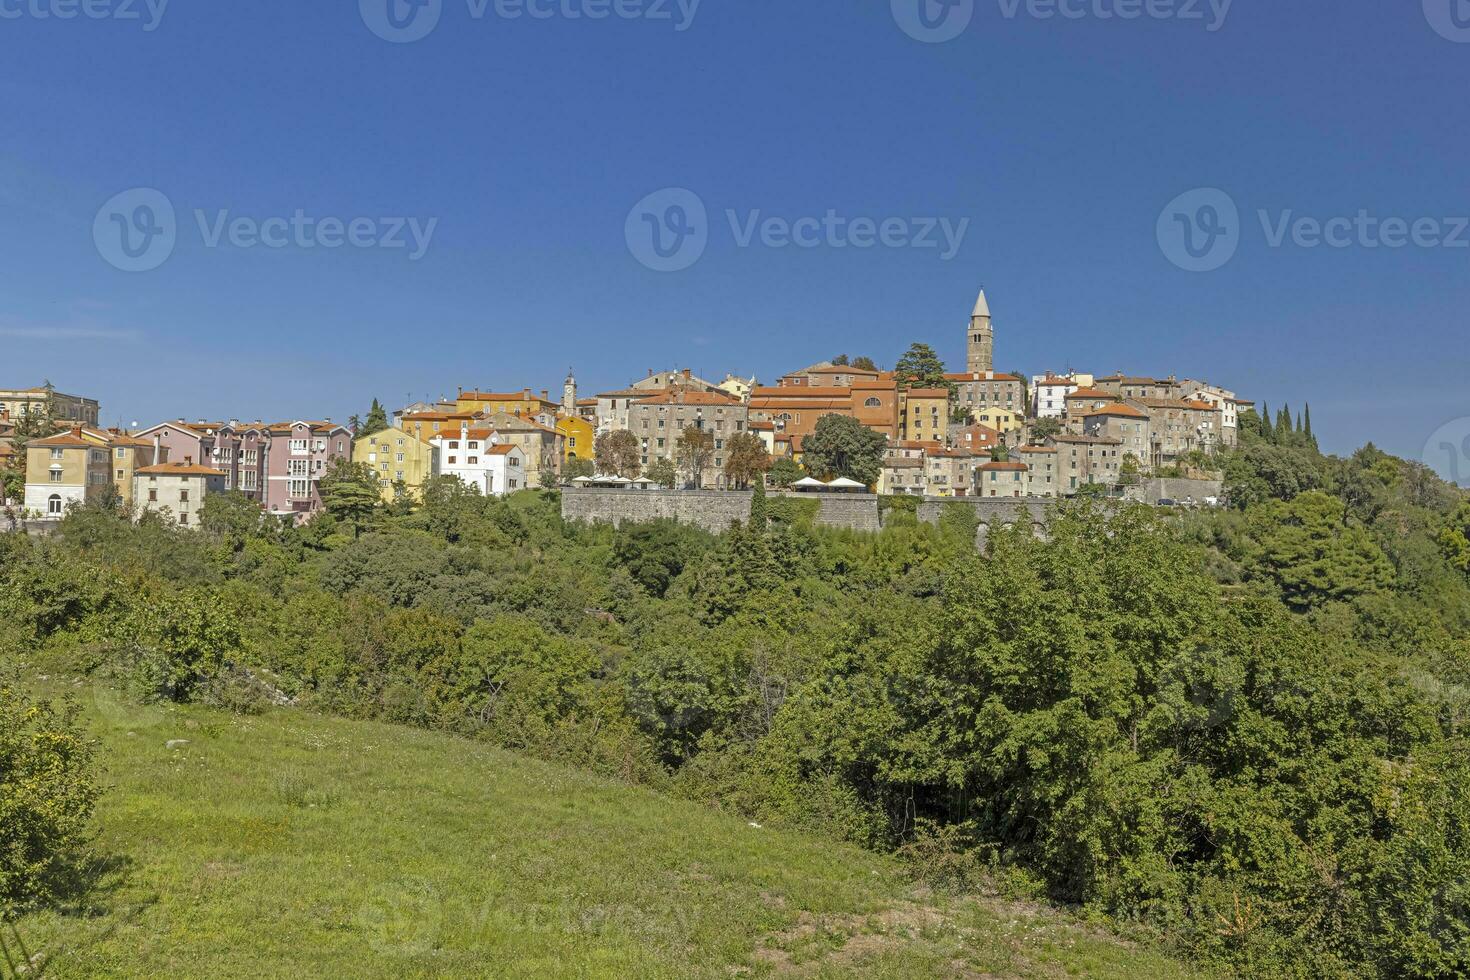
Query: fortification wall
[(713, 510)]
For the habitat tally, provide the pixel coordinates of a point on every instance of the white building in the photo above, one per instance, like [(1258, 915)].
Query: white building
[(480, 459), (1049, 393), (178, 489)]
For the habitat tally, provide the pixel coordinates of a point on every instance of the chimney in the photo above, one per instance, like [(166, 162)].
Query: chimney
[(188, 460), (157, 449), (686, 374), (545, 395)]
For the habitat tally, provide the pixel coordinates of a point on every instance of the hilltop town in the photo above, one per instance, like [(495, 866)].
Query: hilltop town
[(917, 429)]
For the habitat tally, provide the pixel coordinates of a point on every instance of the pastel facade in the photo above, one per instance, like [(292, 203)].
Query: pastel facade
[(1002, 420), (925, 414), (297, 455), (63, 470), (524, 402), (176, 489), (1049, 394), (578, 437), (397, 459), (1008, 479)]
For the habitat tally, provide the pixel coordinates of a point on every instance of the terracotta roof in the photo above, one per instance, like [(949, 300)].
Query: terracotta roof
[(179, 469), (1037, 449), (65, 440), (1179, 403), (491, 396), (1117, 408), (928, 392), (761, 426), (471, 434), (504, 449), (808, 404), (802, 391), (950, 454), (903, 462), (441, 417), (1008, 467), (920, 444), (1087, 440), (885, 382), (1091, 393)]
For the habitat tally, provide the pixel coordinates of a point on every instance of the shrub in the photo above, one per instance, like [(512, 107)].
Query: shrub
[(47, 790)]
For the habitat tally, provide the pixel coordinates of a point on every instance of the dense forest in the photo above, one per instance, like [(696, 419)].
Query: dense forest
[(1241, 730)]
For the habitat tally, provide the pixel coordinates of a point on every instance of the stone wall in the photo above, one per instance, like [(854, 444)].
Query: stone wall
[(858, 511), (1181, 490), (713, 510)]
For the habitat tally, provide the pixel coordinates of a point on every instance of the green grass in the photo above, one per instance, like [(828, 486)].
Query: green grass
[(294, 845)]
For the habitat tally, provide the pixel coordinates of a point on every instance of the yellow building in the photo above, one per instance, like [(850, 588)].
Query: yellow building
[(524, 402), (65, 469), (578, 435), (129, 455), (1003, 420), (925, 415), (395, 457)]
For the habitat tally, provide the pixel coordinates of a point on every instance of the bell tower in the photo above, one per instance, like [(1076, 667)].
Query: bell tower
[(569, 394), (980, 342)]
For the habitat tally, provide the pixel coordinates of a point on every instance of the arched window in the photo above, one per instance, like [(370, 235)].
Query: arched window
[(53, 504), (873, 403)]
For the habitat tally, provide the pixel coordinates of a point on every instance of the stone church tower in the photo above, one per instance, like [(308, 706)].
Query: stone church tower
[(569, 395), (980, 343)]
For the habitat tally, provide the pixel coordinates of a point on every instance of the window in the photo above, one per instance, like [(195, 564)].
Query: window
[(122, 454), (153, 496), (56, 454), (300, 488), (473, 461), (184, 496), (56, 475), (873, 403), (183, 518), (53, 504), (298, 447)]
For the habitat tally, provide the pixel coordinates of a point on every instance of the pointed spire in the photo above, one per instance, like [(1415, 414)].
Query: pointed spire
[(982, 308)]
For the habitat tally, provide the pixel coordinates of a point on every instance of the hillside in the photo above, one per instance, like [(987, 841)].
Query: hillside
[(291, 844)]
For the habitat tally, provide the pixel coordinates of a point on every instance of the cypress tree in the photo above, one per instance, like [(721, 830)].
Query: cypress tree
[(758, 511), (1283, 424), (1263, 421)]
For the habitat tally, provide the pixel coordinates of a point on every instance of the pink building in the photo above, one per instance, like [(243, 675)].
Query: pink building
[(296, 456), (277, 464)]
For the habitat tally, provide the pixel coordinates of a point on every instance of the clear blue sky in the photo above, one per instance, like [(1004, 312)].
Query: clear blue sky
[(529, 140)]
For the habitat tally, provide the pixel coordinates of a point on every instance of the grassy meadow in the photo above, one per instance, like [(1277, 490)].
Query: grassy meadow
[(296, 845)]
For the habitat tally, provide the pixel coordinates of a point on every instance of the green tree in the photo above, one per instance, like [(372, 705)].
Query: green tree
[(376, 421), (786, 471), (1045, 428), (231, 516), (350, 493), (618, 453), (841, 446), (576, 468), (840, 360), (864, 364), (1312, 554), (663, 472), (920, 367)]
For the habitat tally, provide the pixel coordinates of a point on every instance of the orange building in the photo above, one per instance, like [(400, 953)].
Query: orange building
[(795, 409), (524, 402)]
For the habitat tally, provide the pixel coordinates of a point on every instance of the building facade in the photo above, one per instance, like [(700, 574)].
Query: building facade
[(980, 339), (176, 489), (397, 459), (660, 419), (479, 459), (63, 409), (63, 470)]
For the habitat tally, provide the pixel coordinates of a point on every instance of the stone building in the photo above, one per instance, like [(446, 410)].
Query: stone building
[(659, 420), (178, 489), (1084, 460), (19, 403), (981, 390)]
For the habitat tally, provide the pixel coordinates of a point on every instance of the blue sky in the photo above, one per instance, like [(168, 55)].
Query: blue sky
[(1060, 140)]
